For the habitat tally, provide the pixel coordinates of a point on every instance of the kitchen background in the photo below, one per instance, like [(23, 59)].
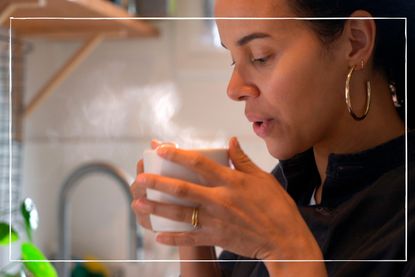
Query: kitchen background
[(171, 87)]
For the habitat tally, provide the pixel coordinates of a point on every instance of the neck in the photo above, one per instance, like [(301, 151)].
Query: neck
[(381, 125)]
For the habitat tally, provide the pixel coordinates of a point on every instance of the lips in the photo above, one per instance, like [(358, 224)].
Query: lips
[(261, 124)]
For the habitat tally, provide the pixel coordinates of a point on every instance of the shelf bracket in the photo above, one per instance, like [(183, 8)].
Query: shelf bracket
[(63, 73), (15, 5)]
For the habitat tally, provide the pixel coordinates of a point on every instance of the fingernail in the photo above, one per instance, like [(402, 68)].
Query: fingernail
[(160, 238), (143, 206), (163, 150), (141, 179), (156, 141), (235, 142)]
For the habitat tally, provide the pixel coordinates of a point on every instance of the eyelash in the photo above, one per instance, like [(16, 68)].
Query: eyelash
[(259, 61)]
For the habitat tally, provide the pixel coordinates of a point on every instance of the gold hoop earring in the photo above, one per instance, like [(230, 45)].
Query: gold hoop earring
[(347, 96)]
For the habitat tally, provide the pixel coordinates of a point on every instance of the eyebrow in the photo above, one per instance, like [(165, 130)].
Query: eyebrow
[(246, 39)]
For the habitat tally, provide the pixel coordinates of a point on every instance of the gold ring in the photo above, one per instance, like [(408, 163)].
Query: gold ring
[(195, 218)]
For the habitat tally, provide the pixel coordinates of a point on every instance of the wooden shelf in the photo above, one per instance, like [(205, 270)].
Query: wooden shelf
[(65, 28), (92, 32)]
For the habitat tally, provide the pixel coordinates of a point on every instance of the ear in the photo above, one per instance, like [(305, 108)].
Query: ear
[(360, 35)]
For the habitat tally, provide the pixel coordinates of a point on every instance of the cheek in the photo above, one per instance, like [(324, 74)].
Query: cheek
[(298, 93), (307, 96)]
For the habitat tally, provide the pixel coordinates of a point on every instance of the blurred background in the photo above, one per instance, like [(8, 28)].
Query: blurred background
[(87, 98)]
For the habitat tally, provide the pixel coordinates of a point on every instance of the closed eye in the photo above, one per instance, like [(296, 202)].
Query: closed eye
[(261, 60)]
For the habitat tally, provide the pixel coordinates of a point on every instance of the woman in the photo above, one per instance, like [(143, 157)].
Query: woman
[(321, 94)]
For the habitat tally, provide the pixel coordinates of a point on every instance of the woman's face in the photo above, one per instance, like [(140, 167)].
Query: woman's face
[(292, 85)]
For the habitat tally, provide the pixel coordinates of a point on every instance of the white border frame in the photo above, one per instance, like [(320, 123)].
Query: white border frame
[(210, 18)]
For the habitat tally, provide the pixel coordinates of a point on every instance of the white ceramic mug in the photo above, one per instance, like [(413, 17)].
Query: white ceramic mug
[(154, 164)]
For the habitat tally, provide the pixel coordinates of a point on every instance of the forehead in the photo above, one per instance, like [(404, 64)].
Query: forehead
[(233, 29), (252, 8)]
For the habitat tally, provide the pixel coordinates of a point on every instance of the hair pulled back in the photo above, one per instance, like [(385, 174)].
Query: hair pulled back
[(389, 52)]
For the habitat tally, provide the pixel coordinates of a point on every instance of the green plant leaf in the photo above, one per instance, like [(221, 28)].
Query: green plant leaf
[(30, 216), (43, 268), (5, 237)]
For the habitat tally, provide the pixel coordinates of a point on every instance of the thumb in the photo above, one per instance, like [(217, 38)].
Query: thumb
[(239, 159)]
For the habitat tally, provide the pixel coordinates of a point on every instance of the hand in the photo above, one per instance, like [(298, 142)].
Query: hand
[(245, 210)]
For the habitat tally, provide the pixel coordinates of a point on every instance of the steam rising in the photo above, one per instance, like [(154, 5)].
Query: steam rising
[(150, 114), (160, 104)]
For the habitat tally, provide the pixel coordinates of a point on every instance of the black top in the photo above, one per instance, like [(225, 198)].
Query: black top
[(362, 211)]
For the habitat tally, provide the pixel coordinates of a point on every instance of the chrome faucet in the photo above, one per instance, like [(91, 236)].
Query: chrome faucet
[(135, 237)]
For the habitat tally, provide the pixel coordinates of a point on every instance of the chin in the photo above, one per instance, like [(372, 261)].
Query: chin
[(281, 151)]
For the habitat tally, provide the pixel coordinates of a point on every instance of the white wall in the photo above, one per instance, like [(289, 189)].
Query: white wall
[(101, 112)]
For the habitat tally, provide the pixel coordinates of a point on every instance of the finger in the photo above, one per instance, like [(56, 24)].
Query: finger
[(198, 238), (177, 239), (144, 221), (206, 168), (155, 143), (181, 189), (142, 218), (172, 211), (239, 159), (140, 167), (137, 190)]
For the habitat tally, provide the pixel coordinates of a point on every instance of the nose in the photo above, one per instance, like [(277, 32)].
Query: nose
[(239, 89)]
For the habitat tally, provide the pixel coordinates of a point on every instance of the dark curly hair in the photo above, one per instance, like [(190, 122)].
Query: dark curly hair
[(389, 53)]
